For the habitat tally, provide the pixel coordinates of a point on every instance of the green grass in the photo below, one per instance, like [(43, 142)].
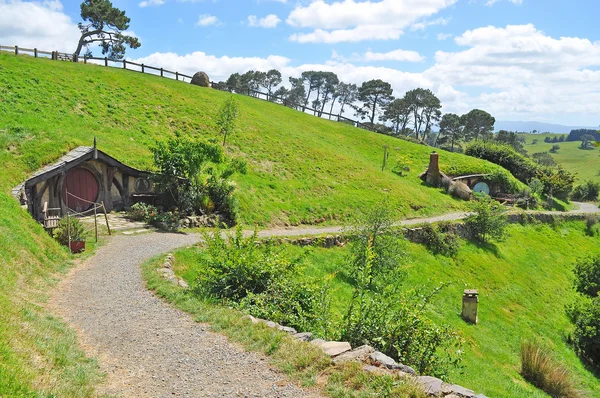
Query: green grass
[(39, 355), (302, 169), (524, 284), (585, 163)]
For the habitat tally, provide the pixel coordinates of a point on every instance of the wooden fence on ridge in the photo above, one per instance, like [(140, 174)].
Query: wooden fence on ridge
[(133, 66)]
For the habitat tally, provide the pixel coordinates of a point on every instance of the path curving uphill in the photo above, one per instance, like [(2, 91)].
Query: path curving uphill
[(147, 347)]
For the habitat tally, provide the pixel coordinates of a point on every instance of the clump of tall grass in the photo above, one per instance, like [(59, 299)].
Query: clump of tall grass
[(540, 369)]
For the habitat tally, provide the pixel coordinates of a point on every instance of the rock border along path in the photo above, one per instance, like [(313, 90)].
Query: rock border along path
[(150, 349), (147, 347)]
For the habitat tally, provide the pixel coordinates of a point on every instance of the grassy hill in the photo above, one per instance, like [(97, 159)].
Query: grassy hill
[(302, 169), (524, 284), (585, 163)]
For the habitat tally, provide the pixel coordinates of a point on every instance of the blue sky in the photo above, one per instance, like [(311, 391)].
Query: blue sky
[(517, 59)]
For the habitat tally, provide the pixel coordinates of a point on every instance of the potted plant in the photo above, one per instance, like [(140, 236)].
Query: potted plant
[(71, 226)]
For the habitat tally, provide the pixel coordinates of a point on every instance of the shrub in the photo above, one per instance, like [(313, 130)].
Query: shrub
[(488, 221), (587, 276), (585, 315), (557, 181), (588, 191), (395, 324), (541, 370), (140, 211), (590, 224), (66, 226), (237, 266), (166, 221), (439, 241), (374, 227)]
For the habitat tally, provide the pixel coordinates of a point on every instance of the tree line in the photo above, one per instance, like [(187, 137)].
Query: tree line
[(415, 115)]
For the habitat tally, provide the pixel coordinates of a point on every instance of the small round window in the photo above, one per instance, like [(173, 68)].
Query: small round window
[(142, 185), (482, 187)]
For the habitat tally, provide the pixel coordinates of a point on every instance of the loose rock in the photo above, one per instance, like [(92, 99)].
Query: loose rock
[(333, 348), (383, 360), (358, 354), (431, 385)]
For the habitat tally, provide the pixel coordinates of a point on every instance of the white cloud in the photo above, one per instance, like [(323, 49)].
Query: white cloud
[(444, 36), (490, 3), (37, 24), (207, 20), (270, 21), (396, 55), (424, 24), (149, 3), (353, 21)]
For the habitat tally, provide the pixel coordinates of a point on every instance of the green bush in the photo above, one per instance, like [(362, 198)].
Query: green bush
[(237, 266), (66, 226), (557, 181), (140, 211), (487, 221), (441, 240), (588, 191), (585, 315), (540, 369), (164, 220), (395, 324), (587, 276)]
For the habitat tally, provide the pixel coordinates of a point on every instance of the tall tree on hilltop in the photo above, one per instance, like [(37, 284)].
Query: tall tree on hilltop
[(348, 94), (451, 130), (425, 107), (315, 81), (272, 79), (478, 125), (104, 24), (398, 113), (374, 94), (330, 82)]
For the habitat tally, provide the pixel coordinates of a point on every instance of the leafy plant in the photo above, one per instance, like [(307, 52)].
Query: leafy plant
[(441, 240), (588, 191), (487, 221), (587, 276), (585, 315), (375, 228), (540, 369), (396, 324), (164, 220), (72, 226), (140, 211), (226, 117)]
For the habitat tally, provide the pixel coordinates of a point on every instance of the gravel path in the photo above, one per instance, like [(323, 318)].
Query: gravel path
[(148, 348)]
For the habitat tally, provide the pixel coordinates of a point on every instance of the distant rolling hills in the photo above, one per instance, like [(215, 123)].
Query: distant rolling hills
[(539, 126)]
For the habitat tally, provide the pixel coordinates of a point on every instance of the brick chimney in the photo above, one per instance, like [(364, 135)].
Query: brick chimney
[(433, 171)]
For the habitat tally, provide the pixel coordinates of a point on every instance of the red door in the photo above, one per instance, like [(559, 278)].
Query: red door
[(83, 189)]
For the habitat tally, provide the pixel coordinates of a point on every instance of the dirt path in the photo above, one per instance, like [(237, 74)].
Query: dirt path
[(147, 347)]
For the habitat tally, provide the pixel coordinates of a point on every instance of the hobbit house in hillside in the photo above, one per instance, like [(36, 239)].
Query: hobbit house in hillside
[(79, 179)]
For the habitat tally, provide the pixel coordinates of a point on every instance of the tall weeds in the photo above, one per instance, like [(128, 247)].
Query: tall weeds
[(540, 369)]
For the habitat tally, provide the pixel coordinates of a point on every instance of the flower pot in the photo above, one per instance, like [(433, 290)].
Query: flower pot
[(77, 246)]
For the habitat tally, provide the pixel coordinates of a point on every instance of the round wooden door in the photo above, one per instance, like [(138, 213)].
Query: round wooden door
[(82, 187)]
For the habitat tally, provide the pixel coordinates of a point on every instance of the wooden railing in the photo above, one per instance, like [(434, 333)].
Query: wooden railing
[(136, 67)]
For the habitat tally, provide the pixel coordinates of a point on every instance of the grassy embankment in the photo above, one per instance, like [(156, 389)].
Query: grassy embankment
[(524, 284), (302, 169), (585, 163)]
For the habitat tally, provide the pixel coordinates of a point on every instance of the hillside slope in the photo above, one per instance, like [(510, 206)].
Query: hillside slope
[(302, 169)]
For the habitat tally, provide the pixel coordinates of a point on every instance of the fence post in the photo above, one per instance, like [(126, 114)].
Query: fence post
[(142, 68), (85, 59), (105, 61), (161, 72), (35, 52), (176, 75), (124, 64), (16, 50)]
